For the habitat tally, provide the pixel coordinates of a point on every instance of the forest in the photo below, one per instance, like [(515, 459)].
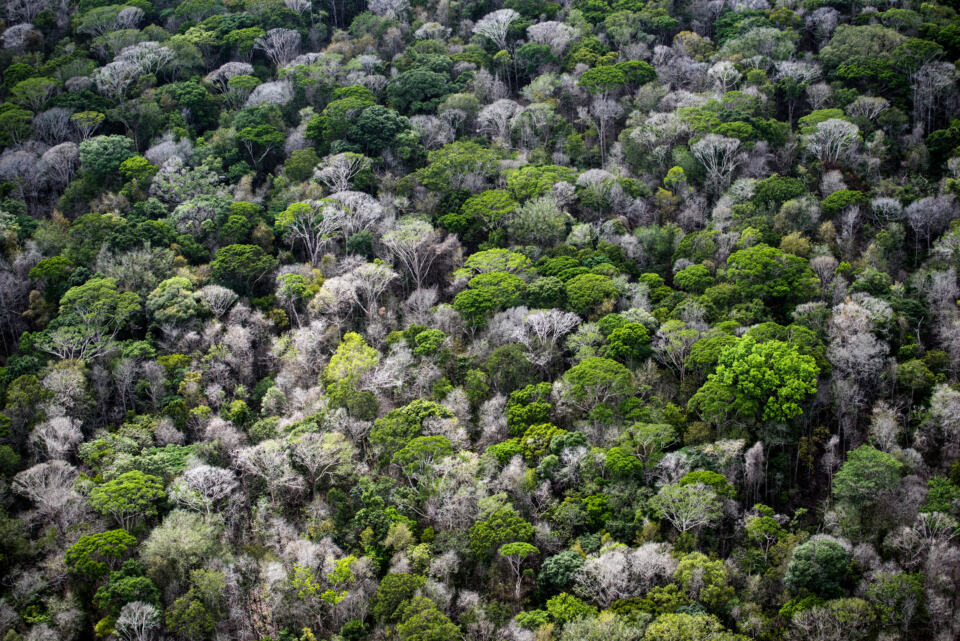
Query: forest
[(479, 320)]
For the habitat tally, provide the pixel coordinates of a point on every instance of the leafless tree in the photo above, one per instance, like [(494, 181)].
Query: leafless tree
[(280, 45), (832, 141), (494, 119), (53, 125), (338, 171), (58, 437), (556, 35), (415, 245), (269, 461), (719, 156), (138, 621), (620, 572), (50, 487), (114, 79), (495, 26)]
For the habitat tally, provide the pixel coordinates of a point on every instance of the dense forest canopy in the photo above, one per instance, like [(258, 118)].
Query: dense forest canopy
[(479, 320)]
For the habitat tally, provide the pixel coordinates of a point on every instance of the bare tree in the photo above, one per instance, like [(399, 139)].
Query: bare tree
[(50, 487), (338, 171), (269, 461), (138, 621), (719, 156), (211, 484), (832, 141), (59, 163), (556, 35), (416, 246), (58, 437), (114, 79), (496, 25), (280, 45), (494, 119), (619, 572)]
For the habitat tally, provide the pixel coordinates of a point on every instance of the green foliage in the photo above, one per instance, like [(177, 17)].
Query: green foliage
[(866, 476), (128, 498), (756, 382), (93, 555), (819, 566)]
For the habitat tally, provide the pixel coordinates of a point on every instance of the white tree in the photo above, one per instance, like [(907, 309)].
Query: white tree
[(496, 25), (269, 461), (280, 45), (338, 171), (556, 35), (618, 572), (929, 83), (415, 245), (49, 486), (211, 484), (867, 107), (137, 621), (719, 156), (832, 141), (724, 75), (114, 79), (59, 163), (494, 119), (688, 507), (57, 436)]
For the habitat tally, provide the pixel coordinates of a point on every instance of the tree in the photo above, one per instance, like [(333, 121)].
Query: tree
[(757, 382), (688, 507), (128, 498), (596, 381), (137, 621), (241, 267), (394, 591), (174, 301), (516, 554), (686, 627), (496, 26), (501, 525), (322, 455), (280, 45), (416, 246), (590, 294), (422, 621), (867, 477), (618, 572), (719, 156), (101, 156), (818, 566), (770, 274), (416, 91), (94, 555), (33, 93), (312, 225), (832, 141), (338, 172)]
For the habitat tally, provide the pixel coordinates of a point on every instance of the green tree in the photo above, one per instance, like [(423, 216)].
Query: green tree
[(417, 91), (174, 301), (602, 80), (394, 591), (756, 382), (101, 157), (866, 477), (128, 498), (33, 93), (422, 621), (241, 267), (590, 294), (93, 555), (501, 525), (819, 566), (771, 275), (596, 381), (449, 168)]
